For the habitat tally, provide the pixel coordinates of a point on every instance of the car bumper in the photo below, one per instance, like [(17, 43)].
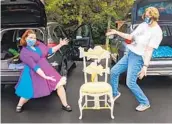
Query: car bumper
[(161, 68), (10, 77), (161, 71)]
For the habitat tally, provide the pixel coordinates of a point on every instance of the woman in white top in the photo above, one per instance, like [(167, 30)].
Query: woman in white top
[(146, 38)]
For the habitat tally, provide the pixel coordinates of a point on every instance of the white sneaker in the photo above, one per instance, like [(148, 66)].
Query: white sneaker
[(142, 107), (116, 97)]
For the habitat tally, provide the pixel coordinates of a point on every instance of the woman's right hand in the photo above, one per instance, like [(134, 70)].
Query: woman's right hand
[(50, 78), (64, 41), (111, 32)]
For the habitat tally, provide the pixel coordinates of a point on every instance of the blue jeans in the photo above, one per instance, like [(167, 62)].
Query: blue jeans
[(132, 63)]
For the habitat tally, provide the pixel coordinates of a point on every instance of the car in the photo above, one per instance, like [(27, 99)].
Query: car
[(158, 66), (20, 15)]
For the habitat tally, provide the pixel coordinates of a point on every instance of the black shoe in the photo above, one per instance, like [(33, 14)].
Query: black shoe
[(19, 109), (67, 108)]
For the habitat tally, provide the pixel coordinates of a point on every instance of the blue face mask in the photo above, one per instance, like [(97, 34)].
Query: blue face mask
[(30, 42), (148, 20)]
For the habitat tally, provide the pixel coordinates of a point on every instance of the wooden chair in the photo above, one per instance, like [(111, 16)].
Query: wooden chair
[(96, 87)]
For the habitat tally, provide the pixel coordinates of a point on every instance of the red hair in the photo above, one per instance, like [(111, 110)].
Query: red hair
[(23, 38)]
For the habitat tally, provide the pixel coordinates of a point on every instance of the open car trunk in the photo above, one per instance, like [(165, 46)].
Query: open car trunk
[(10, 48), (162, 57), (164, 7), (18, 14), (22, 13), (10, 51), (164, 52), (11, 65)]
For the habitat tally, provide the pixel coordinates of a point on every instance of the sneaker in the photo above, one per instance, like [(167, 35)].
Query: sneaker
[(142, 107), (116, 97)]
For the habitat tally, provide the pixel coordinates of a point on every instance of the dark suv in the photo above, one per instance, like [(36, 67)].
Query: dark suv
[(158, 66), (19, 15)]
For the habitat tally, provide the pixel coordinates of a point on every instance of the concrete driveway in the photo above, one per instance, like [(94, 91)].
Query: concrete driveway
[(48, 109)]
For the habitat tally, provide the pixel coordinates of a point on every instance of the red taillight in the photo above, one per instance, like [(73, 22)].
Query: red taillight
[(52, 44), (127, 41)]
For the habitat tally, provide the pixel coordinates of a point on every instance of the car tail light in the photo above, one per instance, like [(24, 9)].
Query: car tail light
[(52, 44)]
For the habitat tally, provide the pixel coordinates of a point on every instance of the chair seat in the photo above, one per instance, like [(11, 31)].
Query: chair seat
[(95, 87)]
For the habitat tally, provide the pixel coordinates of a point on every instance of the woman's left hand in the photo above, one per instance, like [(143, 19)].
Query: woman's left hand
[(64, 41), (142, 73)]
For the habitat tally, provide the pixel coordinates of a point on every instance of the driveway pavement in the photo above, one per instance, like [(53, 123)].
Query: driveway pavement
[(48, 109)]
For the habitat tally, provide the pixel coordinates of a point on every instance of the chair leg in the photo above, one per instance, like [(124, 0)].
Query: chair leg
[(80, 105), (112, 105), (86, 100), (96, 102), (105, 100)]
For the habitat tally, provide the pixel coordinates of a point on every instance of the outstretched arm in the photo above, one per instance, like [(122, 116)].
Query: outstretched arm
[(57, 47), (125, 35)]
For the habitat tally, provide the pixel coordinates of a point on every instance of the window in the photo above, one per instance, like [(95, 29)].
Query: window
[(167, 31), (21, 32), (7, 44), (7, 37), (165, 9), (58, 33), (39, 35), (55, 33), (123, 28), (82, 32)]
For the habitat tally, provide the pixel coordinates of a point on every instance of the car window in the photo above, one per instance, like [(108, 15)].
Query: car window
[(165, 9), (82, 32), (167, 35), (7, 38), (167, 31), (123, 28), (21, 32), (8, 44), (58, 33), (39, 35), (55, 33)]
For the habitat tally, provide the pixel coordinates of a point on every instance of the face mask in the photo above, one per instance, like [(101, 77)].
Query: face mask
[(30, 42), (148, 20)]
